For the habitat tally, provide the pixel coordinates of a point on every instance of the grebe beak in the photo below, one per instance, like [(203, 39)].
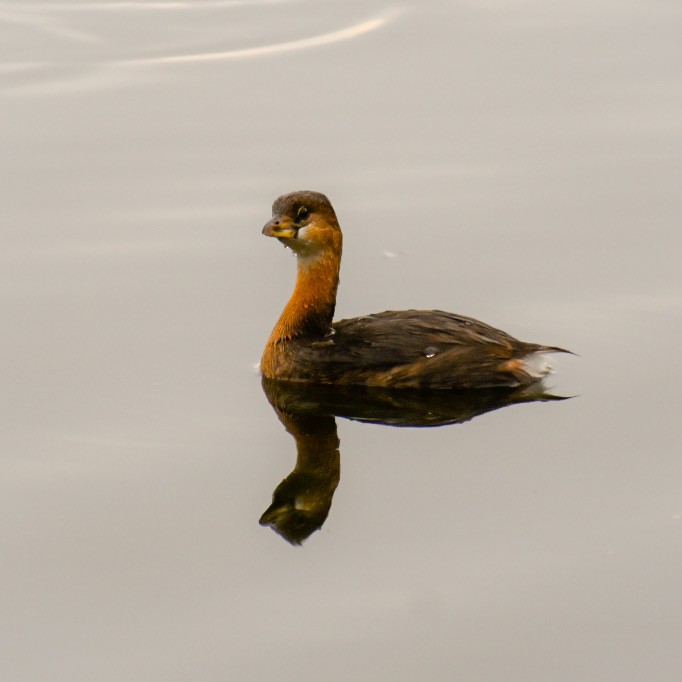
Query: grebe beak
[(282, 228)]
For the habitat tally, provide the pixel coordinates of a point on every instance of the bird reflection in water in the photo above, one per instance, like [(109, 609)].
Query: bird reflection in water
[(301, 502)]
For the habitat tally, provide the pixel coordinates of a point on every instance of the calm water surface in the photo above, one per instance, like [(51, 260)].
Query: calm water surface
[(514, 161)]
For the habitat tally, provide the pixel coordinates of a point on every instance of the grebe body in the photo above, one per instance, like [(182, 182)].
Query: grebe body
[(426, 349)]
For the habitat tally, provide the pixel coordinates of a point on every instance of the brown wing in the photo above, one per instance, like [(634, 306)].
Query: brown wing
[(413, 348), (407, 335)]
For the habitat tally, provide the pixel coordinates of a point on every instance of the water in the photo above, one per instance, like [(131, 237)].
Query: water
[(518, 162)]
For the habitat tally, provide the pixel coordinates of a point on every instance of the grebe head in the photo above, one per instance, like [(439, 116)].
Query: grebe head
[(306, 223)]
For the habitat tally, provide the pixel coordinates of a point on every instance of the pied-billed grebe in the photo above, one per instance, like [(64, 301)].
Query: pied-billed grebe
[(396, 349)]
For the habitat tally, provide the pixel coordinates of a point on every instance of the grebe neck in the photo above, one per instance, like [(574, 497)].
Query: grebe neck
[(310, 309)]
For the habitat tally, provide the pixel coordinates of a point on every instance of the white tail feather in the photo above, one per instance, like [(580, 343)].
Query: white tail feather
[(538, 364)]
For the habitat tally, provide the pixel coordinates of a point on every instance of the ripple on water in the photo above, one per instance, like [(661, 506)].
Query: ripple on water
[(85, 53)]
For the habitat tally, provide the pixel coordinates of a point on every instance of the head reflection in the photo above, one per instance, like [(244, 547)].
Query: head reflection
[(301, 502)]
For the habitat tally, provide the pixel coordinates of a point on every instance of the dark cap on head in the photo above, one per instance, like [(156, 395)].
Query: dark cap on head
[(290, 204)]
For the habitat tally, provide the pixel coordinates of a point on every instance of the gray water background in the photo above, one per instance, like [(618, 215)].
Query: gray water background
[(514, 161)]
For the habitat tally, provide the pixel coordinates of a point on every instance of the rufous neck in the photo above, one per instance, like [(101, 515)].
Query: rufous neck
[(310, 309)]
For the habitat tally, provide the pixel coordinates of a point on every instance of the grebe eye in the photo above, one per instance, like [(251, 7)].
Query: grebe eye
[(302, 213)]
